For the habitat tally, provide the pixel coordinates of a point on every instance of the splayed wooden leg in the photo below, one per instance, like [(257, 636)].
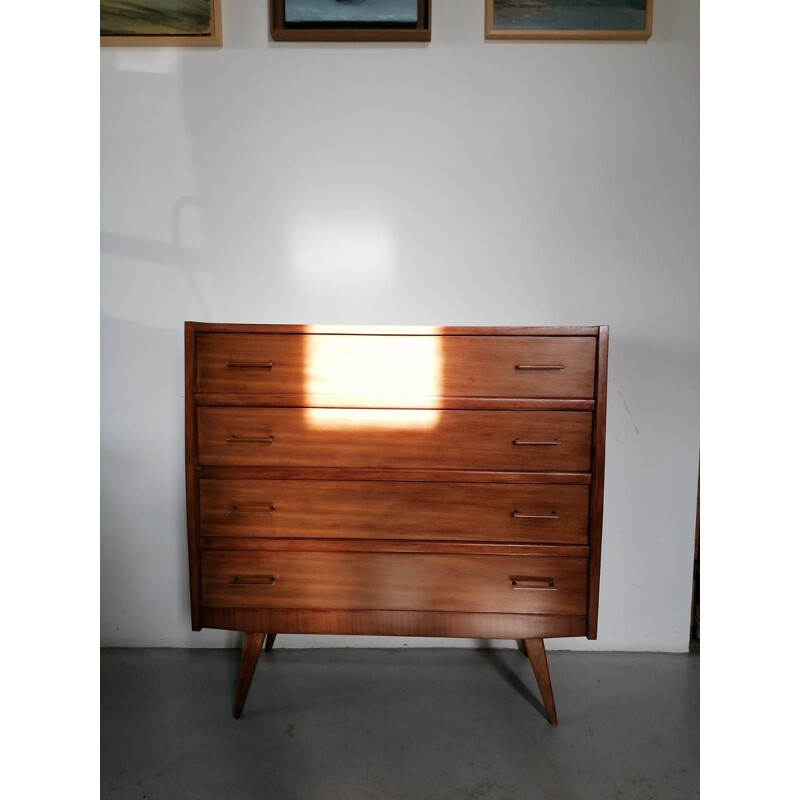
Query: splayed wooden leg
[(270, 642), (534, 649), (251, 650)]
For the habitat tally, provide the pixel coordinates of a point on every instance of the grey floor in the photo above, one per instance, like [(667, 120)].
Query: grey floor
[(443, 724)]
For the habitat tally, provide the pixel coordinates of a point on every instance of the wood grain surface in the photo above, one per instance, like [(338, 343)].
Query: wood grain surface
[(442, 481), (416, 582), (534, 649), (598, 484), (521, 513), (561, 440), (421, 368), (373, 622)]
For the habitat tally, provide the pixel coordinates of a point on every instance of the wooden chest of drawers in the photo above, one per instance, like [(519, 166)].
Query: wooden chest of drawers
[(396, 481)]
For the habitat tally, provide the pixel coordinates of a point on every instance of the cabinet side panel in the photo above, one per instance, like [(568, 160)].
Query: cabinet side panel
[(598, 481), (192, 515)]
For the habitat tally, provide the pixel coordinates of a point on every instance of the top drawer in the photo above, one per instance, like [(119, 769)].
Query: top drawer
[(343, 367)]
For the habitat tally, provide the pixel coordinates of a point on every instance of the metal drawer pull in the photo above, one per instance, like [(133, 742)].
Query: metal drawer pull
[(532, 583), (540, 444), (248, 440), (248, 365), (540, 366), (267, 580), (517, 515), (237, 510)]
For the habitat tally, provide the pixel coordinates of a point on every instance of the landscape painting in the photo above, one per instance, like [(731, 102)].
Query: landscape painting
[(569, 19), (164, 22), (342, 12), (350, 20)]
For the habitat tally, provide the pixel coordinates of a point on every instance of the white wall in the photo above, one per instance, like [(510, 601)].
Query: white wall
[(461, 182)]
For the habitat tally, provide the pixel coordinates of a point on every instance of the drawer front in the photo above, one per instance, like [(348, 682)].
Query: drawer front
[(367, 438), (486, 512), (392, 581), (348, 366)]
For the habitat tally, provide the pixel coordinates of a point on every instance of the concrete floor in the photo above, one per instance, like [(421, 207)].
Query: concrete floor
[(438, 724)]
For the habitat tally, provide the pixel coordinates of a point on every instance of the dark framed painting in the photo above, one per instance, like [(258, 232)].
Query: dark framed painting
[(569, 19), (160, 23), (350, 20)]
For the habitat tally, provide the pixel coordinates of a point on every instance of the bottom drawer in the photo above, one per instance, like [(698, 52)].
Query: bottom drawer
[(396, 581)]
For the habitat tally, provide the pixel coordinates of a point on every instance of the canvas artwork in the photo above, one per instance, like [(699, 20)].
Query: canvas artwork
[(342, 12), (165, 22), (350, 20), (569, 19)]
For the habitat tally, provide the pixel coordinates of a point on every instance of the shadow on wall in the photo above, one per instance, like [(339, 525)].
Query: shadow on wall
[(248, 225), (144, 563), (165, 257)]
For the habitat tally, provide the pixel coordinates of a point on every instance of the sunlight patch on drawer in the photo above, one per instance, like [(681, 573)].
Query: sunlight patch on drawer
[(405, 370)]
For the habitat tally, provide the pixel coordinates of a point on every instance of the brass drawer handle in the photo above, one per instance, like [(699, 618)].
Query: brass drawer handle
[(540, 366), (248, 365), (237, 510), (539, 444), (522, 582), (248, 440), (266, 580), (517, 515)]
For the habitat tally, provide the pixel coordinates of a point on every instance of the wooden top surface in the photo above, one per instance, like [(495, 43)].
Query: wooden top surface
[(396, 330)]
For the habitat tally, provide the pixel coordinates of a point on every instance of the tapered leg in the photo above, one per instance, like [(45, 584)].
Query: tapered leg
[(534, 649), (270, 642), (251, 650)]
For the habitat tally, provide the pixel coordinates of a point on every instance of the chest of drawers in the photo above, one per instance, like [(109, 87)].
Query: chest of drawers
[(395, 481)]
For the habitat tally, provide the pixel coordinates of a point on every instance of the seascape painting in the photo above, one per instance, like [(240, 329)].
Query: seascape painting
[(624, 19), (350, 12), (155, 18)]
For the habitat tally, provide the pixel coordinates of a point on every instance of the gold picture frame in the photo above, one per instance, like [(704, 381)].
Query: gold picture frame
[(159, 23), (612, 20)]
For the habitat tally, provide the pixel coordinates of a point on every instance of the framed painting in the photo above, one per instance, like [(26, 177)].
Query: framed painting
[(160, 23), (569, 19), (350, 20)]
